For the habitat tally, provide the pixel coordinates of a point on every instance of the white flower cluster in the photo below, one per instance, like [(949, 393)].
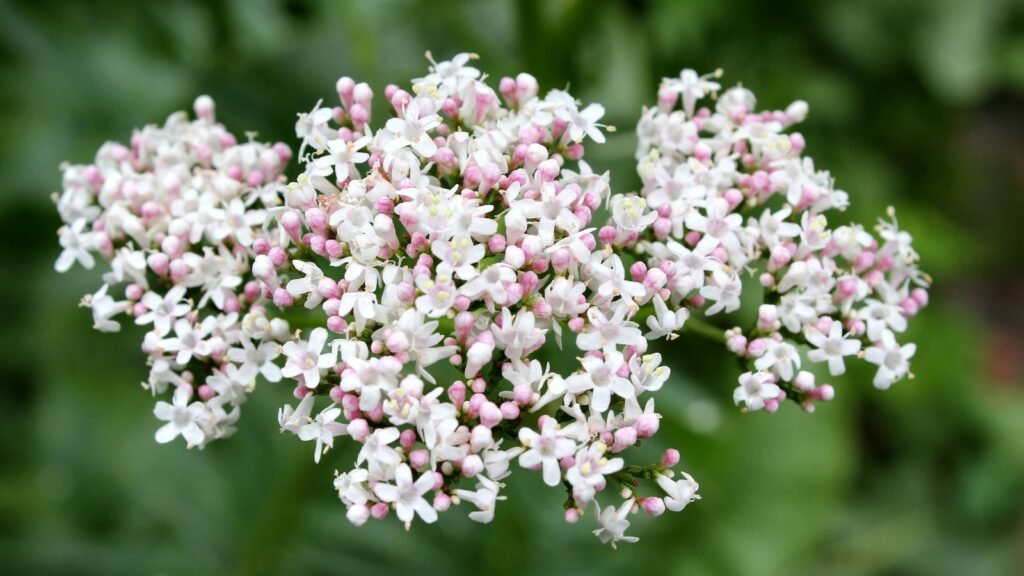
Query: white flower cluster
[(460, 232), (440, 251), (179, 214), (732, 193)]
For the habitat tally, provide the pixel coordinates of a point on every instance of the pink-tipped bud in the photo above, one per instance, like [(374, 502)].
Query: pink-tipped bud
[(653, 505), (490, 414), (670, 458), (572, 515), (804, 381), (920, 295), (472, 465), (282, 299), (204, 107), (509, 410), (359, 429), (624, 438), (407, 438), (442, 502), (379, 511), (647, 425), (418, 459), (457, 393)]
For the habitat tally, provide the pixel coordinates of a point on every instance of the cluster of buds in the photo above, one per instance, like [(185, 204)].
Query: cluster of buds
[(179, 215), (437, 253)]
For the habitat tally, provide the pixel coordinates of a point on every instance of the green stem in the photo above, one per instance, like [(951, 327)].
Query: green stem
[(703, 328)]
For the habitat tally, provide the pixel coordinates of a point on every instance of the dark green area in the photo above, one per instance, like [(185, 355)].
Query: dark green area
[(917, 104)]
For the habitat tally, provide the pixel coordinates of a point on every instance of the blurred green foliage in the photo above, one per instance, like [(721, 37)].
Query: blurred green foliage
[(915, 103)]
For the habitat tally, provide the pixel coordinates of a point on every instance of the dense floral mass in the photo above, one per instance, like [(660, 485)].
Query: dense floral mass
[(440, 250)]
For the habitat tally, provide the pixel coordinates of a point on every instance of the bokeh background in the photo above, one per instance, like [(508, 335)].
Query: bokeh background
[(917, 104)]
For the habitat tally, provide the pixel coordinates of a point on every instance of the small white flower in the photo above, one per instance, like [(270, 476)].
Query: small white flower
[(162, 310), (77, 243), (307, 360), (893, 360), (678, 493), (831, 348), (323, 429), (754, 389), (407, 496), (545, 450), (182, 418), (612, 523)]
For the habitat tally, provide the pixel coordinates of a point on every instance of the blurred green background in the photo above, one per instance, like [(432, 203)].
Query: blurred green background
[(917, 104)]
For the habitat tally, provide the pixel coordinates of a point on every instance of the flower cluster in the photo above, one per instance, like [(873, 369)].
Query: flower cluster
[(731, 192), (444, 249), (179, 215), (432, 256)]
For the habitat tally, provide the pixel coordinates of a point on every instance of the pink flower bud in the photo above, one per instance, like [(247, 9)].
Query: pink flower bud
[(804, 381), (206, 392), (490, 414), (359, 429), (647, 425), (407, 438), (509, 410), (624, 438), (457, 393), (670, 458), (379, 511), (204, 107), (920, 295), (418, 459), (282, 299), (278, 256), (653, 505), (442, 502), (472, 465), (336, 394)]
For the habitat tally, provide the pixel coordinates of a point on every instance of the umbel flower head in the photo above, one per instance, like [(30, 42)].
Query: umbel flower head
[(437, 252), (178, 215)]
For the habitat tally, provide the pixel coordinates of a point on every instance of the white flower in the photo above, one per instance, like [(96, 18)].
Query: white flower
[(612, 523), (413, 128), (162, 310), (880, 316), (583, 122), (485, 498), (255, 359), (323, 429), (308, 284), (307, 360), (377, 450), (691, 87), (343, 156), (893, 360), (601, 379), (182, 418), (606, 333), (189, 339), (781, 357), (831, 348), (678, 493), (104, 308), (407, 496), (76, 244), (665, 322), (545, 450), (291, 419), (518, 336), (754, 389), (587, 475), (724, 291)]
